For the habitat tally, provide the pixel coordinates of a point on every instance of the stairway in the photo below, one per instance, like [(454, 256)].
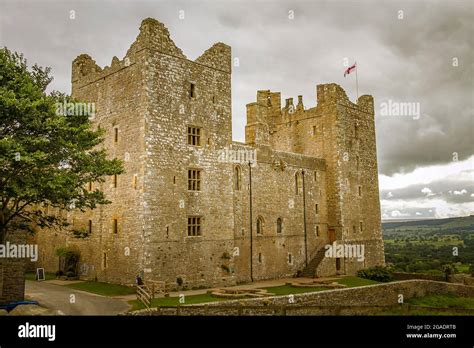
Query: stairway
[(310, 270)]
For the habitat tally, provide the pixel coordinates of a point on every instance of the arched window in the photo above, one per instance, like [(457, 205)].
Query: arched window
[(237, 178), (279, 225), (298, 183), (259, 225)]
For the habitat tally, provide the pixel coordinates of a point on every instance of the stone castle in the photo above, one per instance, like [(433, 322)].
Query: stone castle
[(198, 209)]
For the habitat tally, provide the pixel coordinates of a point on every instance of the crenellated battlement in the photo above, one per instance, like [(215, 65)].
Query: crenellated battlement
[(155, 37)]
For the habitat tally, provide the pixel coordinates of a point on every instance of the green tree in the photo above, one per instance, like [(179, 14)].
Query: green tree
[(46, 157), (448, 269)]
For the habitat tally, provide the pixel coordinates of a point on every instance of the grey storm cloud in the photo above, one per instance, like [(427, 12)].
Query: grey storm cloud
[(402, 60), (448, 190)]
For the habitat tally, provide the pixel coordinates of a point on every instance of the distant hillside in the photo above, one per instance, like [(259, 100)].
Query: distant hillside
[(457, 224), (427, 245)]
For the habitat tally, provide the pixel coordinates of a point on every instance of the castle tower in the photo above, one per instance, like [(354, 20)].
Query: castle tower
[(343, 135)]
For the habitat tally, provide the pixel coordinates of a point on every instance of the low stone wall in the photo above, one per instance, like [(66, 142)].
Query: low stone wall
[(454, 278), (371, 295), (360, 300), (425, 276)]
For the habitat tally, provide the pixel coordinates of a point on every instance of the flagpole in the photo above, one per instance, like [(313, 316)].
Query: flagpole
[(357, 83)]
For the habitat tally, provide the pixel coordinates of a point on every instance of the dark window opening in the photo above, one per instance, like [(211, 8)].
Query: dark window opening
[(194, 226), (259, 225), (237, 178), (194, 180), (194, 136), (279, 225)]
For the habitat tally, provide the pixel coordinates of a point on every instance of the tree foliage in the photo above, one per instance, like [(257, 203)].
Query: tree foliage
[(46, 158)]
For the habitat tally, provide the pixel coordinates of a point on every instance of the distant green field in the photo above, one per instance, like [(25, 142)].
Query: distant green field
[(426, 246)]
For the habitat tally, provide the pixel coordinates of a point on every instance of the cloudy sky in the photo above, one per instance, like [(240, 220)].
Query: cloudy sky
[(409, 53)]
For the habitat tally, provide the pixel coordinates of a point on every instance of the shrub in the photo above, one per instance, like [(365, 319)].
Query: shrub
[(377, 273), (448, 269)]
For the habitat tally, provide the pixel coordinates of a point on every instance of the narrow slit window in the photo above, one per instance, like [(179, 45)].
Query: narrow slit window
[(116, 134), (192, 90), (260, 225), (90, 227), (115, 226), (279, 225), (237, 178), (105, 260)]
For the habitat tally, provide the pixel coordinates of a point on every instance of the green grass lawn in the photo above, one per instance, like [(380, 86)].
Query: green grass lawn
[(32, 276), (433, 301), (350, 282), (356, 281), (104, 289), (291, 290), (443, 301), (174, 301)]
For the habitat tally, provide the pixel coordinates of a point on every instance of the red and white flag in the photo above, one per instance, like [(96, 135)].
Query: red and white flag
[(350, 69)]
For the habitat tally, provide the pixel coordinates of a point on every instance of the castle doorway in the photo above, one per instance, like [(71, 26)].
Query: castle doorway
[(332, 235)]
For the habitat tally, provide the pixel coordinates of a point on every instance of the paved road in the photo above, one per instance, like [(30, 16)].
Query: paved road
[(57, 298)]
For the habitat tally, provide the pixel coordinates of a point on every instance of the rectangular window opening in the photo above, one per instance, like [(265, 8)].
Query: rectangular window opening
[(194, 179), (194, 226), (194, 136)]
